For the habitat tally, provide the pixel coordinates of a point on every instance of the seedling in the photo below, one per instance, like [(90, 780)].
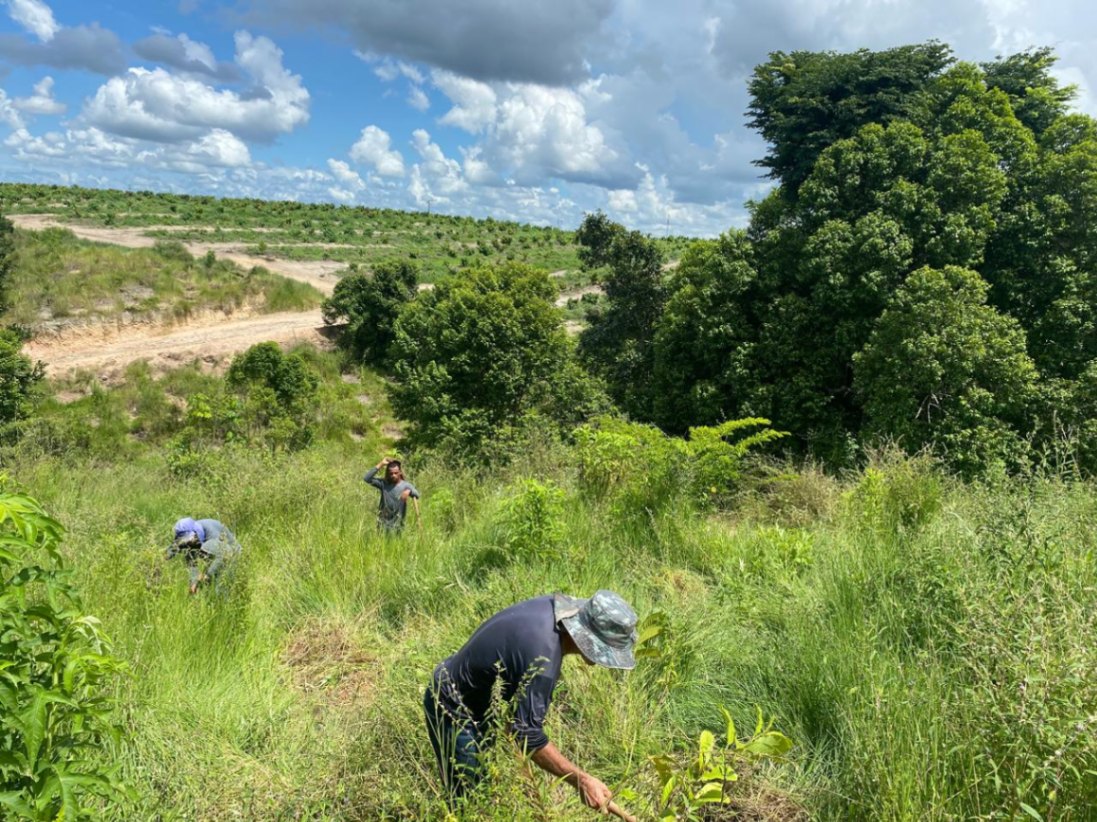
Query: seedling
[(686, 791)]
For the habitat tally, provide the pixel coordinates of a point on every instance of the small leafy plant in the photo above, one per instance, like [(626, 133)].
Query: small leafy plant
[(54, 664), (687, 791), (532, 519)]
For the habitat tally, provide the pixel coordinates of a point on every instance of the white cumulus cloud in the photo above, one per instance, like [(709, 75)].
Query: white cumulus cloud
[(474, 102), (9, 116), (345, 175), (418, 99), (374, 148), (42, 101), (154, 104), (533, 131), (35, 16), (435, 178)]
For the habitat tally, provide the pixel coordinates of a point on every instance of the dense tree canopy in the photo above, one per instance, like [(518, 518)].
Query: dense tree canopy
[(925, 270), (805, 101), (618, 344), (368, 304), (943, 367), (481, 351)]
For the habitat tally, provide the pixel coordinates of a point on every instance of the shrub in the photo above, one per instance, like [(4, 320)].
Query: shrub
[(369, 305), (533, 519), (647, 469), (55, 665)]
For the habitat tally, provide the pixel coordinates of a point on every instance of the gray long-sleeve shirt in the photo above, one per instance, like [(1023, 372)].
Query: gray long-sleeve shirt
[(219, 547), (393, 507)]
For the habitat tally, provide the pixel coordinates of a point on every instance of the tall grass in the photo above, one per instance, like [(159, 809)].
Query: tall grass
[(926, 644)]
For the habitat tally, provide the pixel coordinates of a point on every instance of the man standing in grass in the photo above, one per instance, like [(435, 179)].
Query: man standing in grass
[(395, 491), (203, 540), (522, 648)]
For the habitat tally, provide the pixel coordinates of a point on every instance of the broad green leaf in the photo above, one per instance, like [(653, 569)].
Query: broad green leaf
[(725, 773), (705, 745), (14, 801), (33, 723), (761, 723), (664, 766), (12, 760), (1031, 811), (711, 792), (668, 789), (772, 743), (731, 727), (649, 633)]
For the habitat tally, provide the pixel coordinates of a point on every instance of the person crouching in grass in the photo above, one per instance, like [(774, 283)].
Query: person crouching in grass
[(203, 542), (521, 649)]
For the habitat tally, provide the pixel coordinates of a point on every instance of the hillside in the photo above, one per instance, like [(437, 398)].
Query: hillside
[(909, 633)]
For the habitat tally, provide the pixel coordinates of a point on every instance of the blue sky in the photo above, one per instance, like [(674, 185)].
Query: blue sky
[(537, 112)]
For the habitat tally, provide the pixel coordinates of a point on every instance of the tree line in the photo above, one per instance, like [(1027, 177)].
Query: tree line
[(922, 271)]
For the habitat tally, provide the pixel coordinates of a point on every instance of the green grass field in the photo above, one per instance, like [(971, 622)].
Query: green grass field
[(439, 244), (926, 644)]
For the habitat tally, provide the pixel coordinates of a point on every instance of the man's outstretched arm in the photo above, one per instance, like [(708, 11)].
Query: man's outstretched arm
[(592, 790)]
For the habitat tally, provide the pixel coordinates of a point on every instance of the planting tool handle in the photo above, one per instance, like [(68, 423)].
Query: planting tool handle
[(618, 811)]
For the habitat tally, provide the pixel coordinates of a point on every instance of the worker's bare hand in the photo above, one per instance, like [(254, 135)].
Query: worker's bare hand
[(594, 792)]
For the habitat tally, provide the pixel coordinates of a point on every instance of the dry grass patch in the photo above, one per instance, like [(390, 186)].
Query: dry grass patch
[(326, 661)]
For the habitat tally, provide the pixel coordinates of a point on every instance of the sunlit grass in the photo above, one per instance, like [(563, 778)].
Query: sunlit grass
[(924, 643)]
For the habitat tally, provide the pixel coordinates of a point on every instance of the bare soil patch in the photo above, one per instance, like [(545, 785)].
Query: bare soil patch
[(107, 350), (576, 294)]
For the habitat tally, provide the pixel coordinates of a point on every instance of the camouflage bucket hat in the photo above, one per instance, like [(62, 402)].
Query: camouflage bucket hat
[(604, 627)]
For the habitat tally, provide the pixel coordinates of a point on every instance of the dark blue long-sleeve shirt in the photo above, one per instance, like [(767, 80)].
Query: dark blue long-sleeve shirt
[(521, 646)]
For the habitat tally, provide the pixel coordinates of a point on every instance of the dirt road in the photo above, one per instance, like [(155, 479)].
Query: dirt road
[(317, 273), (213, 337), (108, 352), (577, 294)]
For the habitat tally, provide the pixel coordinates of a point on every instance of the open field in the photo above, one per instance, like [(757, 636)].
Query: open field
[(319, 274), (300, 233), (924, 643), (97, 287)]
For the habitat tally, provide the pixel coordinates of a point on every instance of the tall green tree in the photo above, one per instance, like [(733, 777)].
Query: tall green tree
[(368, 305), (479, 353), (946, 175), (279, 394), (704, 347), (944, 369), (618, 344), (802, 102), (1035, 95)]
